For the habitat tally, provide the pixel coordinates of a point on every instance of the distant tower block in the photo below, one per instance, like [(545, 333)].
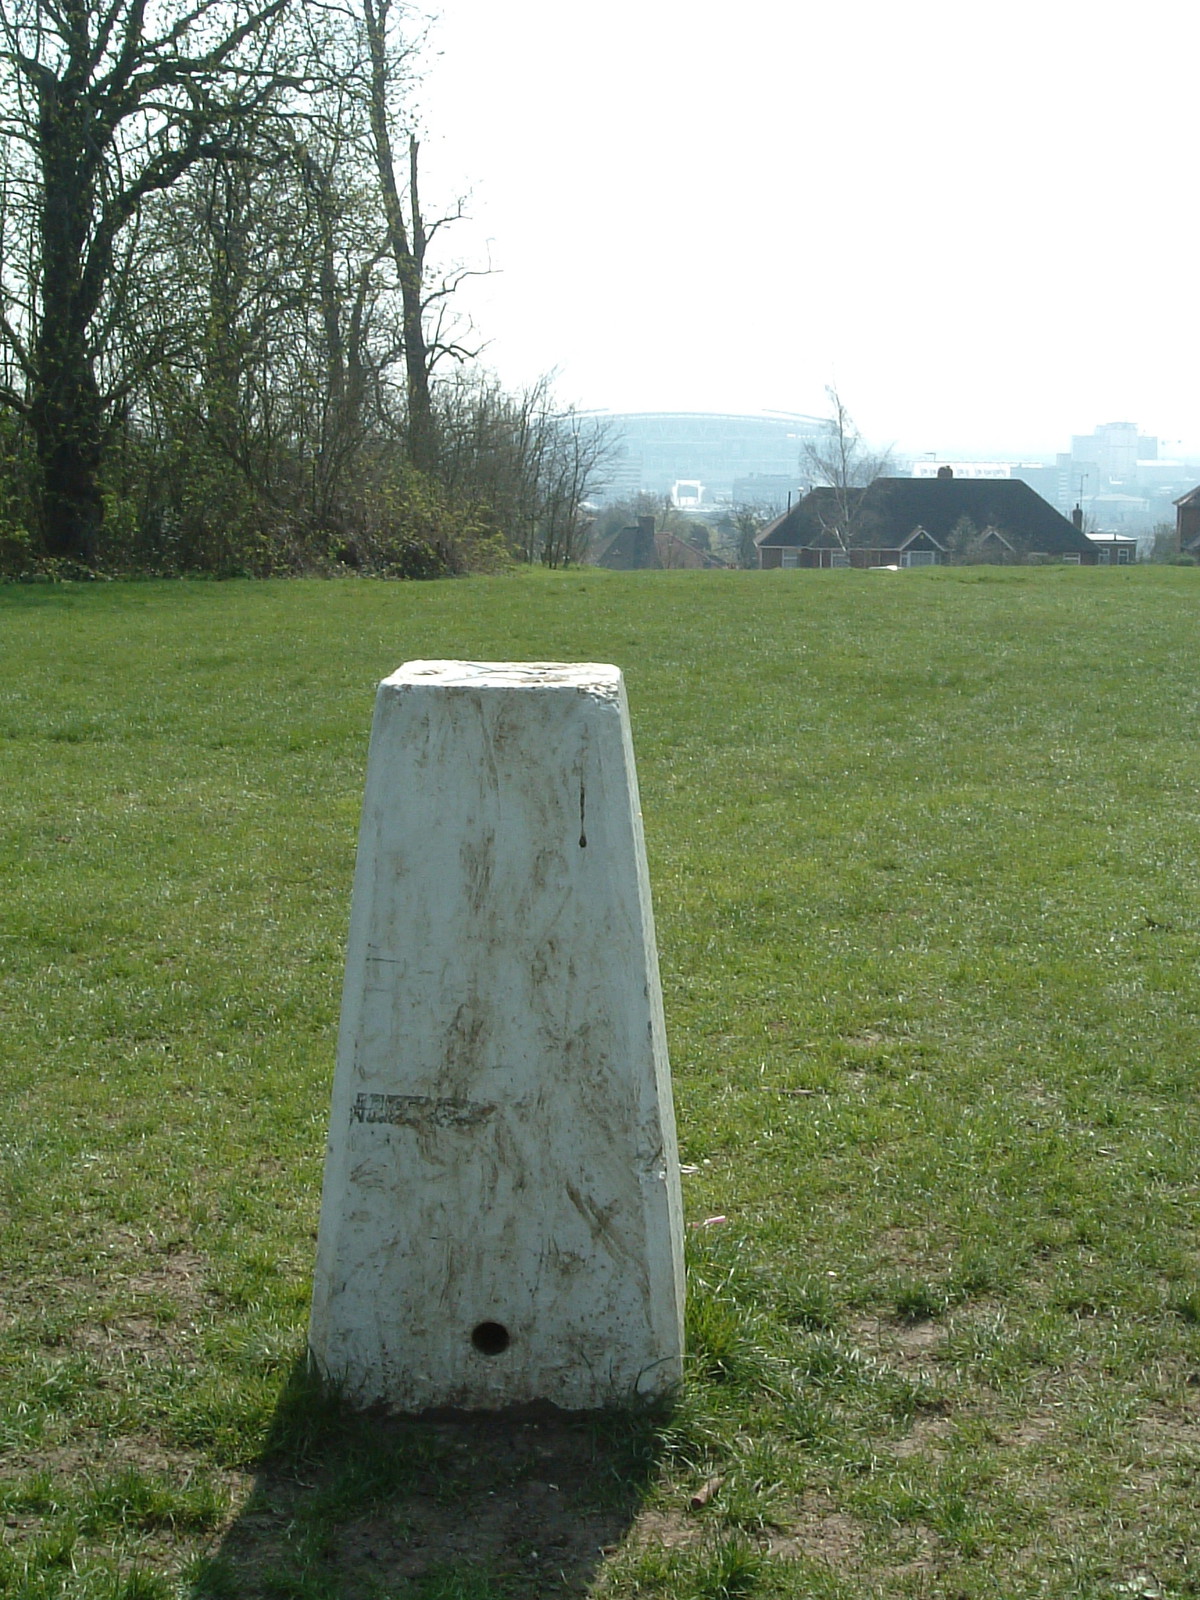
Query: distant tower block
[(501, 1218)]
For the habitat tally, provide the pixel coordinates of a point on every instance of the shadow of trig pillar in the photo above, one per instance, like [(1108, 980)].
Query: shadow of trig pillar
[(501, 1218)]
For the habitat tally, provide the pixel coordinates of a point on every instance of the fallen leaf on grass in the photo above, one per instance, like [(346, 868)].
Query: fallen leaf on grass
[(705, 1493)]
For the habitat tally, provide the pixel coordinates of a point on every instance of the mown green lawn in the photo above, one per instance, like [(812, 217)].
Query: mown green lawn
[(924, 854)]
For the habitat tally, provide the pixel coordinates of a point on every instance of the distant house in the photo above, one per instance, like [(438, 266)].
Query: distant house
[(630, 549), (638, 548), (1187, 523), (912, 522), (1114, 549)]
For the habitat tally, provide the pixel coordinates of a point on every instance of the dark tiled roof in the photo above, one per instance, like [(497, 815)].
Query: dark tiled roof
[(642, 550), (632, 550), (889, 511), (676, 552)]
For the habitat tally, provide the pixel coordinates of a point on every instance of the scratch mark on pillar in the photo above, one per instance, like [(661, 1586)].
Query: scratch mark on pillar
[(599, 1221)]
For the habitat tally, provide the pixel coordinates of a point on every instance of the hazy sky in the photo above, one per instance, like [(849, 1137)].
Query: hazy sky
[(974, 220)]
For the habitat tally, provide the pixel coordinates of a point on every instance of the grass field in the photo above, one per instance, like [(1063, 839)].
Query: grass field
[(924, 854)]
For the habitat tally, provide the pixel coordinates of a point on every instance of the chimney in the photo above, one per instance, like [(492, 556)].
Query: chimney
[(643, 548), (1077, 519)]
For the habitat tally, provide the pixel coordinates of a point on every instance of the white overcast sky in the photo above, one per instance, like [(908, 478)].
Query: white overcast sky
[(976, 220)]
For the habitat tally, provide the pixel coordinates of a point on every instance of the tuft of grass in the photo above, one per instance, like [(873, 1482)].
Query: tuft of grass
[(730, 1567), (1183, 1301), (136, 1500), (38, 1494), (914, 1300), (725, 1340), (810, 1304)]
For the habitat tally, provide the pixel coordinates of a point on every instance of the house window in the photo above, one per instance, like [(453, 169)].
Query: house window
[(1072, 560), (839, 558), (1101, 558), (919, 558), (791, 558), (1124, 557)]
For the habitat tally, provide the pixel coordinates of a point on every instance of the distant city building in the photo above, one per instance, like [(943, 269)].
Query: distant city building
[(1117, 513), (1113, 450), (1042, 477), (1039, 475), (929, 468), (769, 491), (687, 494), (653, 450), (1120, 479), (1116, 475)]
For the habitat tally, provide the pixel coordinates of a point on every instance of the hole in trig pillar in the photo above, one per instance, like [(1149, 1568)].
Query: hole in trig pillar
[(490, 1338)]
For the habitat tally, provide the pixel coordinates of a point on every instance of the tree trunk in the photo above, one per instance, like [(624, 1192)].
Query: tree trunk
[(65, 418), (422, 432), (406, 243), (65, 411)]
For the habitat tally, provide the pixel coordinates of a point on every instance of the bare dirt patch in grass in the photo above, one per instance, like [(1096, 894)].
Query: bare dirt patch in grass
[(1032, 1431), (818, 1531), (669, 1530), (901, 1341), (915, 1341), (117, 1339), (171, 1279), (927, 1436), (867, 1037), (1164, 1432), (180, 1273)]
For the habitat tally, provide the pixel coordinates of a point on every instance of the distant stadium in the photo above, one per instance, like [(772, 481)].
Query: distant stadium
[(732, 456)]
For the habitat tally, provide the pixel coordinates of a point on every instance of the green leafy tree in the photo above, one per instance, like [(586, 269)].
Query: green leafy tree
[(103, 104)]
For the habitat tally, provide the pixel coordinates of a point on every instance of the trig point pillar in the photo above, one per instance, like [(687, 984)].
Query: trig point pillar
[(501, 1218)]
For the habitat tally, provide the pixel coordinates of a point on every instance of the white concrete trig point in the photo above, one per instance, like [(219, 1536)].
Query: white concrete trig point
[(501, 1218)]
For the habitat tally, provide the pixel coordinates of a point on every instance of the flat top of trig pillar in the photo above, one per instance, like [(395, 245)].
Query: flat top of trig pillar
[(590, 677)]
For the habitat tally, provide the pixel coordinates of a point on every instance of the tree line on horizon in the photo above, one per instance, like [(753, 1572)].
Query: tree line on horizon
[(227, 339)]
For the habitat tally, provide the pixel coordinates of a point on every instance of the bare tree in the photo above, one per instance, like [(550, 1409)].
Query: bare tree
[(840, 462), (294, 329), (525, 463), (575, 452), (1164, 542), (409, 232)]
